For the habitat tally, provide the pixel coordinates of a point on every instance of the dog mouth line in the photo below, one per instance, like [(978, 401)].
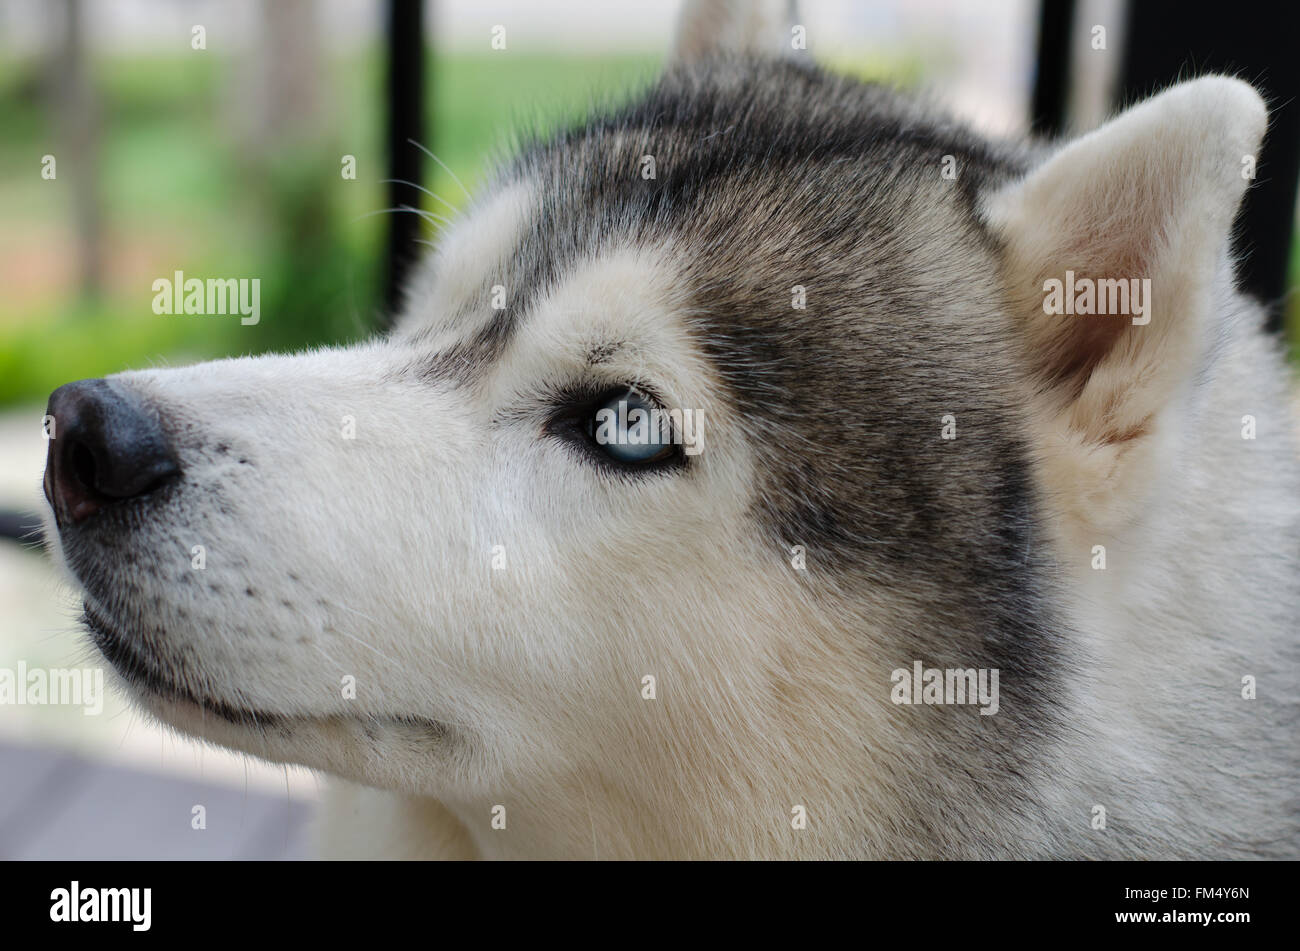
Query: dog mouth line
[(140, 673), (143, 675)]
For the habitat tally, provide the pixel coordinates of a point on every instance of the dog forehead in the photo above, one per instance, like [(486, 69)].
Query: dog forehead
[(761, 180)]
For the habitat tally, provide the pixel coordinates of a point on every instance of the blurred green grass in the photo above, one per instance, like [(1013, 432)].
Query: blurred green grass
[(180, 193)]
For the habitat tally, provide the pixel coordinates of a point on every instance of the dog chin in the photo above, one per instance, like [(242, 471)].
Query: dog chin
[(374, 751)]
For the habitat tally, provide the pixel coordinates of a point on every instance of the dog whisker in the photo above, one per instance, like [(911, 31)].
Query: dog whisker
[(434, 195), (443, 164)]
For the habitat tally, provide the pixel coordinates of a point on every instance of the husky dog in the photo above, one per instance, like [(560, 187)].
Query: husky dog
[(933, 438)]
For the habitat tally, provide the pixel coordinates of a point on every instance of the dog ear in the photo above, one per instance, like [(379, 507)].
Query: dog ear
[(708, 28), (1148, 199)]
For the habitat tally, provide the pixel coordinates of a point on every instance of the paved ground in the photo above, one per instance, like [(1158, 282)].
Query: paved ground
[(60, 806)]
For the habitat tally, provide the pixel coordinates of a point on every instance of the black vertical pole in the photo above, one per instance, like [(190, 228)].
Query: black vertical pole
[(1052, 75), (405, 94), (1169, 40)]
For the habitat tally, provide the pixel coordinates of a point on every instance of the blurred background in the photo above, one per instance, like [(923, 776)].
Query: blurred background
[(212, 138)]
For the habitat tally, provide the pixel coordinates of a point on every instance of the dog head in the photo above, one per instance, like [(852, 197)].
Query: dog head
[(455, 562)]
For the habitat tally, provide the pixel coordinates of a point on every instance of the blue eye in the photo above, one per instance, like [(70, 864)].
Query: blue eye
[(631, 429)]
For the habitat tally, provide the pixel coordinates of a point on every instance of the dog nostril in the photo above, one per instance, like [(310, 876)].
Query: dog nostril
[(82, 462)]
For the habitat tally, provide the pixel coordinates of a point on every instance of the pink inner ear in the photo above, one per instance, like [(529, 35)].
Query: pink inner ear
[(1081, 345), (1070, 347)]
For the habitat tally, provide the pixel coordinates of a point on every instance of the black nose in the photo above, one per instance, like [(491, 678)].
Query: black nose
[(106, 446)]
